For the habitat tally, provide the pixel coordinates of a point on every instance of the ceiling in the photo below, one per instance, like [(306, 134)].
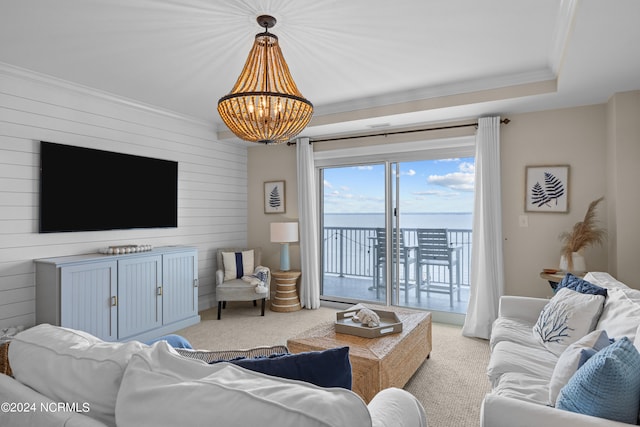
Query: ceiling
[(365, 64)]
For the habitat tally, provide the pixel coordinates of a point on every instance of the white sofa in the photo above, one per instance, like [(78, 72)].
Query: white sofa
[(64, 377), (521, 369)]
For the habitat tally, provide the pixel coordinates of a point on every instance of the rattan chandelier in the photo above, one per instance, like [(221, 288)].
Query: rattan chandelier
[(265, 104)]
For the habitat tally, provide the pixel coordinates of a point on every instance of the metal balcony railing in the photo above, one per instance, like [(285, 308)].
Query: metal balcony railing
[(349, 251)]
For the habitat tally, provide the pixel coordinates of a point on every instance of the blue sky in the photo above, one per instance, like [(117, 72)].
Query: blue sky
[(425, 186)]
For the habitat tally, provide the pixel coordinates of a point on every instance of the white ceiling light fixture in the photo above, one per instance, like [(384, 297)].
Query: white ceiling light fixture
[(265, 104)]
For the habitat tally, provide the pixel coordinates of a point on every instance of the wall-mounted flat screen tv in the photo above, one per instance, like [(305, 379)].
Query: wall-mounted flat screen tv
[(83, 189)]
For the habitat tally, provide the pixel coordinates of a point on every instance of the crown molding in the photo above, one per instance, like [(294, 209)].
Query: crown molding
[(438, 91), (54, 82), (564, 27)]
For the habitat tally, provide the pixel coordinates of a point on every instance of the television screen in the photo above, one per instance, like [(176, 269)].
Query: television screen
[(83, 189)]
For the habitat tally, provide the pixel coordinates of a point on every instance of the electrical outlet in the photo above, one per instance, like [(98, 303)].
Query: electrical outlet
[(523, 220)]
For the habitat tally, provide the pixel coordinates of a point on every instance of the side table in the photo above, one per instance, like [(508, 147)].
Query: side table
[(286, 298)]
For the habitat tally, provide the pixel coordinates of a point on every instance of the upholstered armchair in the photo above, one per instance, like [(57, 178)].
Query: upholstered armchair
[(240, 277)]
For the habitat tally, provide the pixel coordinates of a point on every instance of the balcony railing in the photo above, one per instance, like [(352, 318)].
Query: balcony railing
[(350, 251)]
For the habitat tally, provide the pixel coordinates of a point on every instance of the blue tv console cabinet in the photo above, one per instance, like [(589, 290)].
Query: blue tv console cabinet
[(120, 297)]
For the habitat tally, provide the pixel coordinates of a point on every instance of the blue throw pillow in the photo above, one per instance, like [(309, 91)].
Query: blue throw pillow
[(327, 368), (607, 385), (175, 341), (579, 285)]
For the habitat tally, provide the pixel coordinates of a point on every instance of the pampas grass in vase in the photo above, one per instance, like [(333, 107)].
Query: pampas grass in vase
[(584, 234)]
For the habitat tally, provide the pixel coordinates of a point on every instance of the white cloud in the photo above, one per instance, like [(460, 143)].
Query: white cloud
[(327, 184), (460, 181), (467, 167), (431, 193), (410, 172)]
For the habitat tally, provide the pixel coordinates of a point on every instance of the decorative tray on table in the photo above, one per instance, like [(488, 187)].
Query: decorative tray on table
[(389, 324)]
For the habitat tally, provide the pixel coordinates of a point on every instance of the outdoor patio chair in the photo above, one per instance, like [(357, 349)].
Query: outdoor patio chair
[(406, 258), (435, 250), (240, 277)]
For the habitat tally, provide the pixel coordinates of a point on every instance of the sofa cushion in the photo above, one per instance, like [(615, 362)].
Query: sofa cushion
[(515, 330), (72, 366), (158, 381), (604, 280), (237, 264), (327, 368), (527, 387), (621, 313), (573, 358), (580, 285), (607, 386), (567, 317), (516, 357)]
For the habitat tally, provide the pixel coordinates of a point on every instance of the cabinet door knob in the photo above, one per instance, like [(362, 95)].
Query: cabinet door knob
[(196, 283), (114, 301), (159, 293)]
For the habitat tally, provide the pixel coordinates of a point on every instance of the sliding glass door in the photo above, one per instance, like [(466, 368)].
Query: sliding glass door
[(353, 215), (398, 233)]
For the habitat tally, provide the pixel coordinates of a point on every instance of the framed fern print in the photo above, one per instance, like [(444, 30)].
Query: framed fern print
[(547, 189), (274, 201)]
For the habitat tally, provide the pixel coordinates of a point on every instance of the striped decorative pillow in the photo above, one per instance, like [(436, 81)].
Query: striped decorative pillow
[(237, 264)]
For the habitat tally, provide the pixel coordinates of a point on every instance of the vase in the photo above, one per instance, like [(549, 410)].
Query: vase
[(577, 264)]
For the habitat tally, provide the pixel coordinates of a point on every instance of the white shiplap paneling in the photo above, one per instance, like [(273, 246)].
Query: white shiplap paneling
[(212, 179)]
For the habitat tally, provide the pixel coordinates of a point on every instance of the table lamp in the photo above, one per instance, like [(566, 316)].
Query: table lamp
[(284, 233)]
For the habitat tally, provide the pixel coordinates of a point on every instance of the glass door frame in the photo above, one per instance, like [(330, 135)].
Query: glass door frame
[(388, 154)]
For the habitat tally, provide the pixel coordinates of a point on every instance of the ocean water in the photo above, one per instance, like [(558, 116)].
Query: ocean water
[(455, 220)]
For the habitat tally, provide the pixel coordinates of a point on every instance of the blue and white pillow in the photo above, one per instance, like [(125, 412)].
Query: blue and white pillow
[(580, 285), (237, 264), (568, 316), (573, 358), (607, 385)]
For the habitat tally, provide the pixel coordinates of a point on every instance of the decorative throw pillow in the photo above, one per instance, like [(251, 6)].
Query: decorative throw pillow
[(327, 368), (573, 358), (237, 264), (567, 317), (174, 340), (607, 385), (5, 367), (579, 285)]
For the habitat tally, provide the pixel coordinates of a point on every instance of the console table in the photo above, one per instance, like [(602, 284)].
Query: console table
[(138, 296), (286, 298)]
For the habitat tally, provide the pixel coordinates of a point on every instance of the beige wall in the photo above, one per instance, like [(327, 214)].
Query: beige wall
[(271, 163), (575, 137), (623, 153), (579, 137)]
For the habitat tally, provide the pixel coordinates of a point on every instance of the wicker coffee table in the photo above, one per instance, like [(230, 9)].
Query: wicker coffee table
[(377, 363)]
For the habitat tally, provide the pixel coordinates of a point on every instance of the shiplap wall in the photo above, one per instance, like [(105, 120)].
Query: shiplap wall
[(212, 179)]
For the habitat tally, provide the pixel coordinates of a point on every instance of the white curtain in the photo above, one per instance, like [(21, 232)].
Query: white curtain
[(487, 274), (308, 213)]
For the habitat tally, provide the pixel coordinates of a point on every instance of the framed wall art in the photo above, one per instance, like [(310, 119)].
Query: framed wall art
[(547, 189), (274, 197)]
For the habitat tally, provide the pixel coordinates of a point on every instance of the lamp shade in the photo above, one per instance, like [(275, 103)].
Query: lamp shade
[(284, 232)]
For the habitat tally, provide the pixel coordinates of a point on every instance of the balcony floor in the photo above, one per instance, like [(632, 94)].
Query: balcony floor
[(360, 289)]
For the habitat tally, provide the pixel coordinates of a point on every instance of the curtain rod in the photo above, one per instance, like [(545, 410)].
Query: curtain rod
[(400, 132)]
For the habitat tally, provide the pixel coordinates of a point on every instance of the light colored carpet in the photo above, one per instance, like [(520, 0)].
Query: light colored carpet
[(450, 384)]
